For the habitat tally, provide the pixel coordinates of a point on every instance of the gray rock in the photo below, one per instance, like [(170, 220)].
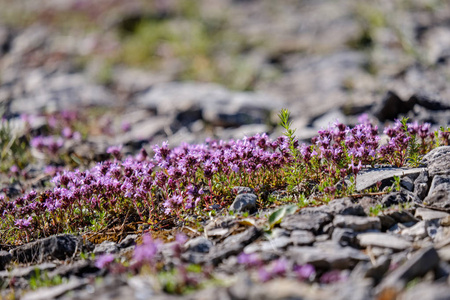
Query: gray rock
[(144, 130), (55, 291), (243, 190), (353, 288), (357, 223), (232, 245), (345, 206), (419, 230), (439, 182), (438, 161), (54, 247), (439, 199), (59, 92), (418, 265), (429, 214), (218, 106), (80, 268), (199, 244), (421, 185), (312, 222), (106, 247), (368, 178), (244, 202), (302, 238), (283, 289), (326, 255), (5, 258), (444, 253), (383, 240), (271, 245), (27, 272), (375, 271)]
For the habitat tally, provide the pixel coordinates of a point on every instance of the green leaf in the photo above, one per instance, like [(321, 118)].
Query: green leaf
[(277, 216)]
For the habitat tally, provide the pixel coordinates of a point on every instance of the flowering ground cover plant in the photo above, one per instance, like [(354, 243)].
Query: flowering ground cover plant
[(189, 179)]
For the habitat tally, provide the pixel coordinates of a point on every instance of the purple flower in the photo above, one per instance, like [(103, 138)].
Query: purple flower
[(279, 267), (14, 169), (181, 238), (23, 223), (115, 151), (305, 272), (125, 126), (147, 250), (333, 276), (67, 132), (264, 275), (250, 260), (104, 260)]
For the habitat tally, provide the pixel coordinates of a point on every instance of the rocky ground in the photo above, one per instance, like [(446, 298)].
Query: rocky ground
[(322, 60)]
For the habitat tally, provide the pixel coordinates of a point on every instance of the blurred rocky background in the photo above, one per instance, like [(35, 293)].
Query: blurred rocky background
[(185, 70)]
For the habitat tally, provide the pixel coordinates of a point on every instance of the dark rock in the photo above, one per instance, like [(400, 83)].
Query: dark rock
[(401, 216), (383, 240), (428, 101), (401, 197), (5, 258), (129, 241), (421, 185), (302, 238), (244, 202), (345, 206), (313, 222), (418, 265), (407, 183), (199, 244), (379, 269), (344, 236), (54, 247), (386, 222), (106, 247), (357, 223), (391, 107)]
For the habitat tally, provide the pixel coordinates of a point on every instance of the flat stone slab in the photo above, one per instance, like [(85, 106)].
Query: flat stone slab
[(382, 240), (357, 223), (429, 214), (368, 178), (310, 222)]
